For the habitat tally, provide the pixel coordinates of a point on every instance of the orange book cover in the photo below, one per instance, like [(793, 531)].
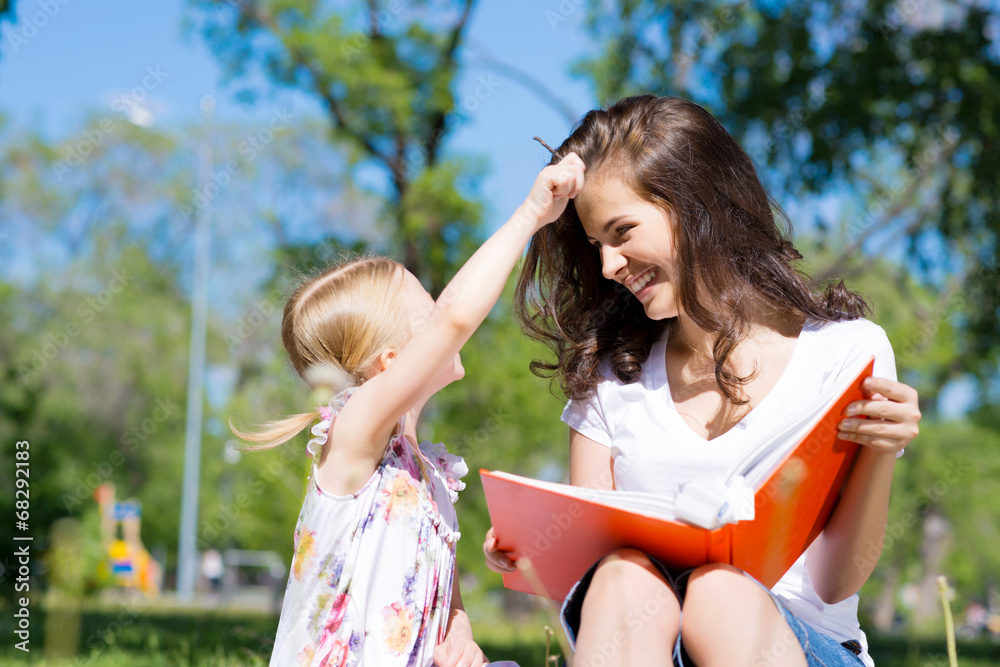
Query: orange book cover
[(564, 529)]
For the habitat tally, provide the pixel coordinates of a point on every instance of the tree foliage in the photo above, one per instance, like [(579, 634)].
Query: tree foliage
[(384, 74)]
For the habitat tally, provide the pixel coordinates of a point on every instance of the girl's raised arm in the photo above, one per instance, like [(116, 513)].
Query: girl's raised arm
[(364, 425)]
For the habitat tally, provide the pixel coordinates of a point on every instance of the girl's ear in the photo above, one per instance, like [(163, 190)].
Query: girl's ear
[(385, 359)]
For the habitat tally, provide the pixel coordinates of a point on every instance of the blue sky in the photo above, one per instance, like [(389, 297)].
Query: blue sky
[(77, 57)]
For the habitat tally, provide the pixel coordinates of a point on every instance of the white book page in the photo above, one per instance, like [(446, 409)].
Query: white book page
[(638, 502)]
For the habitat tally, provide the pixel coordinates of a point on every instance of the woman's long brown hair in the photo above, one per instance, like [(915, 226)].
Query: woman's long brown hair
[(735, 258)]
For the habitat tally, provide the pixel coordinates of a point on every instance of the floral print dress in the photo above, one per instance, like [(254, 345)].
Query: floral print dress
[(371, 577)]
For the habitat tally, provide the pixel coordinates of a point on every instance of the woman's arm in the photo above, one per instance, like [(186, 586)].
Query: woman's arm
[(458, 649), (590, 462), (844, 555)]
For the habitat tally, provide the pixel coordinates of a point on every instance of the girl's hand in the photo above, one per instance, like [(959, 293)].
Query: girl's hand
[(496, 560), (458, 648), (553, 188), (892, 413)]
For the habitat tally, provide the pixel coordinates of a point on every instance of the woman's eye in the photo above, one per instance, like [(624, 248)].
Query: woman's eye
[(623, 229)]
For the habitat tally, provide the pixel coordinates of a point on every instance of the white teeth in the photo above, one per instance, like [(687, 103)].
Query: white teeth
[(642, 282)]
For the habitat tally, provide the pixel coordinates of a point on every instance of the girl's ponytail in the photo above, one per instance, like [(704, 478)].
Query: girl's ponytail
[(273, 433)]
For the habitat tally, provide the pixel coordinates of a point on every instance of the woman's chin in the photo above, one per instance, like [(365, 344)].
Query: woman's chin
[(655, 311)]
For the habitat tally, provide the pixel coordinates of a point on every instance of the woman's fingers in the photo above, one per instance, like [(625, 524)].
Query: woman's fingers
[(891, 389), (885, 442), (887, 421), (883, 409)]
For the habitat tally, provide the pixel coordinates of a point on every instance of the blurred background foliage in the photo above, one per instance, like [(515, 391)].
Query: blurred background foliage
[(874, 124)]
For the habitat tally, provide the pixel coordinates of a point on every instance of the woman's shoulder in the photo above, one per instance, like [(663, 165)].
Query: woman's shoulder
[(610, 387), (845, 342), (846, 332)]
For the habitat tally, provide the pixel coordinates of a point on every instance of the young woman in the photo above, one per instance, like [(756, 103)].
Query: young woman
[(681, 331)]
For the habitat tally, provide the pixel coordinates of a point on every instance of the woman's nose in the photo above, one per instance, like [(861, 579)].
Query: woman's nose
[(612, 261)]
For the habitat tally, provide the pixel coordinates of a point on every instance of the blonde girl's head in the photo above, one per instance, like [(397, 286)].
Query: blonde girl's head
[(346, 317), (342, 321)]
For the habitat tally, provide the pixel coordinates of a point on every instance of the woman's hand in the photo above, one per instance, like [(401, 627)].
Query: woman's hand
[(892, 416), (458, 648), (552, 190), (496, 560)]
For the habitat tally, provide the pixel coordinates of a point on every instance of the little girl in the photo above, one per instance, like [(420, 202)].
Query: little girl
[(373, 576)]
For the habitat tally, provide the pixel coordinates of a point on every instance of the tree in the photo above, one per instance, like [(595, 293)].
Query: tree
[(384, 74), (95, 288), (895, 104)]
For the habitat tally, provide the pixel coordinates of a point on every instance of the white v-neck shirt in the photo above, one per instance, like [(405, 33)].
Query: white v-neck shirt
[(655, 450)]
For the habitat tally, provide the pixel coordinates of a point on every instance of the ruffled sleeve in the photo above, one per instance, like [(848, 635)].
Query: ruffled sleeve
[(327, 414), (452, 466)]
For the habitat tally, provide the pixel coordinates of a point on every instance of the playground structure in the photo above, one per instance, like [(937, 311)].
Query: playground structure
[(127, 561)]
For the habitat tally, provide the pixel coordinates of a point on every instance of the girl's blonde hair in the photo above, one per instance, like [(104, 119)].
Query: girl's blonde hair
[(339, 321)]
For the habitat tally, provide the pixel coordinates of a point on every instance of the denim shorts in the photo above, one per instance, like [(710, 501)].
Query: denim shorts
[(820, 650)]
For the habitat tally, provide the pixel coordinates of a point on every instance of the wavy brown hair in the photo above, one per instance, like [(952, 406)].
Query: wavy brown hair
[(732, 242)]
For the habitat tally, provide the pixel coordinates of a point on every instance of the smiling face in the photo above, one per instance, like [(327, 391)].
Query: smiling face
[(636, 243)]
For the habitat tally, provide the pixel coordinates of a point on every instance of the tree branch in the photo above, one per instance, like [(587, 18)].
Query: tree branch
[(530, 83), (373, 17), (264, 19), (447, 63), (899, 205)]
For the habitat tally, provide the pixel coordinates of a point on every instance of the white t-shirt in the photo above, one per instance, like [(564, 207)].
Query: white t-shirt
[(654, 449)]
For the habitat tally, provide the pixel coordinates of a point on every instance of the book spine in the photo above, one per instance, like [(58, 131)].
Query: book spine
[(720, 545)]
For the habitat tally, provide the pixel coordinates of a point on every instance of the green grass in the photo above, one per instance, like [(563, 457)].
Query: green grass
[(125, 636)]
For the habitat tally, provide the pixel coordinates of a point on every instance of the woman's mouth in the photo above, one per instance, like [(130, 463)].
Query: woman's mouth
[(641, 286)]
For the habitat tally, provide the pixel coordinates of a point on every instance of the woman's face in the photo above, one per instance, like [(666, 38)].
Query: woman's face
[(635, 241)]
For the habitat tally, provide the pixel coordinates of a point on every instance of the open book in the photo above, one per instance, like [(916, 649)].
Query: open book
[(760, 516)]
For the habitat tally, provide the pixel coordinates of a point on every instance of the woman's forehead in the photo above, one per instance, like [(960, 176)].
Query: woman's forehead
[(601, 198)]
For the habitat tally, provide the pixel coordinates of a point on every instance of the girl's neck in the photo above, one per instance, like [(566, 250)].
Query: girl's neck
[(410, 424)]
